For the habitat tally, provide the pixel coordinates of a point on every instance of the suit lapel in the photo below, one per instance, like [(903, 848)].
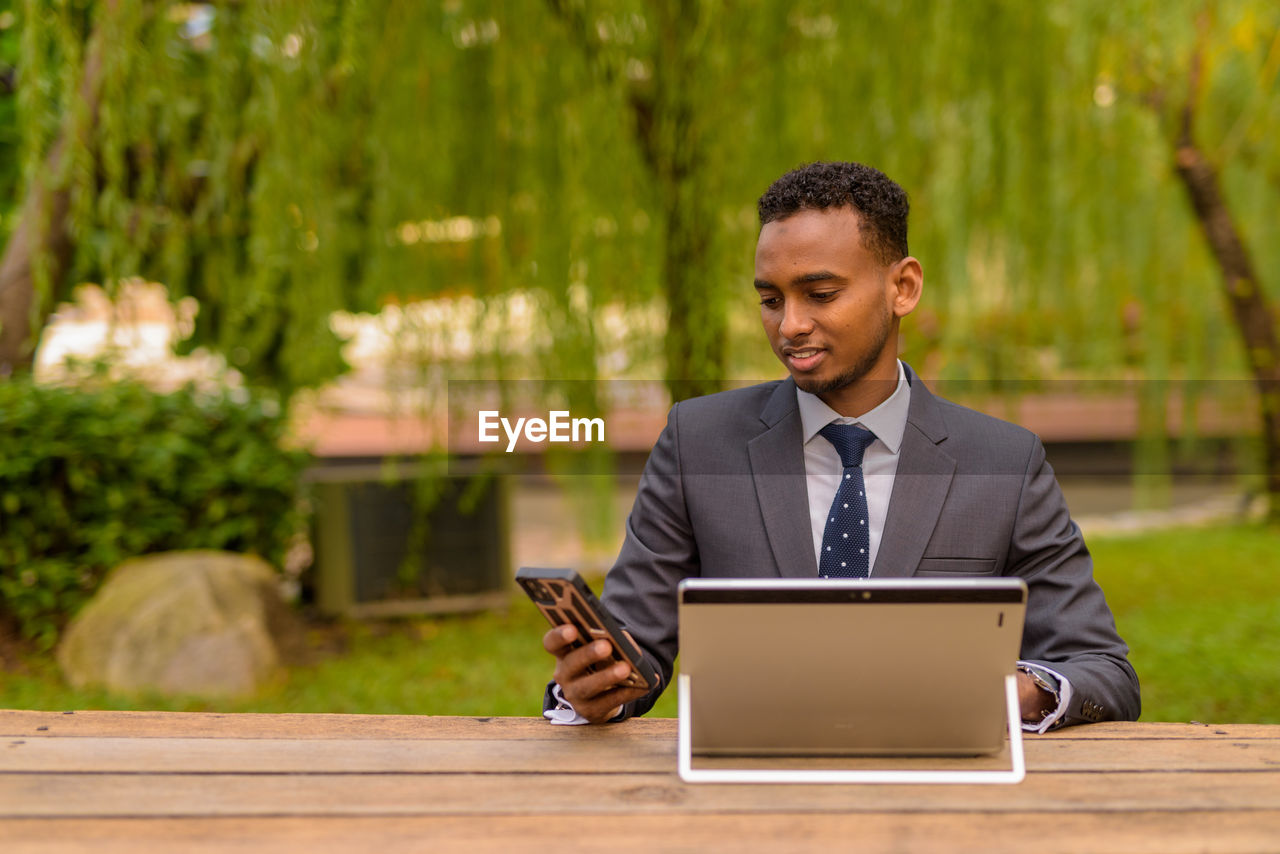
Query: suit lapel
[(920, 487), (777, 470)]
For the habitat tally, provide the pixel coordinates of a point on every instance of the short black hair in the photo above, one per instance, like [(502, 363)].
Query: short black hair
[(881, 204)]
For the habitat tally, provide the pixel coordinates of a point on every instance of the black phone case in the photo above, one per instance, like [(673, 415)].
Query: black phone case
[(563, 597)]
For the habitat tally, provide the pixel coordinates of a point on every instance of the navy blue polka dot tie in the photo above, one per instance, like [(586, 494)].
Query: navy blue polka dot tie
[(846, 541)]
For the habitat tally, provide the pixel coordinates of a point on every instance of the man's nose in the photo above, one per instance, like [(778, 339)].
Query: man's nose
[(796, 320)]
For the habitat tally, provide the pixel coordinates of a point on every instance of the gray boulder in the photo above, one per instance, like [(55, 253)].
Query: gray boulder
[(200, 623)]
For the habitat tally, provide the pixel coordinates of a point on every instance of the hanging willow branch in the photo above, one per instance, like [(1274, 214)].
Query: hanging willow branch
[(40, 250), (308, 156), (668, 127), (1254, 316)]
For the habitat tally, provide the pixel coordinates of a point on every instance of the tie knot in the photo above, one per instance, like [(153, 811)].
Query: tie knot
[(850, 441)]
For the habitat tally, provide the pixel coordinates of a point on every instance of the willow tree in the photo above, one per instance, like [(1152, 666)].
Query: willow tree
[(1219, 116), (282, 160), (1047, 151)]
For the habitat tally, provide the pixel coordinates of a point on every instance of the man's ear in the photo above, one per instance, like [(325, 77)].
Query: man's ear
[(906, 283)]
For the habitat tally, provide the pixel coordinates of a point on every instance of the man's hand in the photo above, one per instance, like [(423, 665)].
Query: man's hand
[(596, 696), (1034, 700)]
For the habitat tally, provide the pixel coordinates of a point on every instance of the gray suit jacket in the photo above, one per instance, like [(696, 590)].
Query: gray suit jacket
[(723, 495)]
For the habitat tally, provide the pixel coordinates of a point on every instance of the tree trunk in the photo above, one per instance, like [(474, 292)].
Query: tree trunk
[(664, 122), (696, 324), (674, 149), (42, 236), (1254, 317)]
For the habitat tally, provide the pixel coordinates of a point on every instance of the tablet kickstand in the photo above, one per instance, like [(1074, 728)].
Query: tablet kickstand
[(689, 774)]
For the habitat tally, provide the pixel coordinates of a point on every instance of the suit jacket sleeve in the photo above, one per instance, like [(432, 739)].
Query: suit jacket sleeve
[(658, 551), (1069, 627)]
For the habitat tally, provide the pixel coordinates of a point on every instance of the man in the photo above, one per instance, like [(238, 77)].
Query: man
[(752, 482)]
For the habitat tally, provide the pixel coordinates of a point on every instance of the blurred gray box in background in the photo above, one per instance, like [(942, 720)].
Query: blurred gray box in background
[(362, 525)]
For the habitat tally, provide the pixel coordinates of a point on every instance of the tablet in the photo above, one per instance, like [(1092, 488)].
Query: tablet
[(877, 667)]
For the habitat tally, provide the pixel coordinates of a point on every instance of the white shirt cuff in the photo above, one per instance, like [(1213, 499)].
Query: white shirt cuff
[(1065, 692), (563, 714)]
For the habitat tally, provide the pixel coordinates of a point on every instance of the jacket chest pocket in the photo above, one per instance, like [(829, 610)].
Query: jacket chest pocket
[(951, 566)]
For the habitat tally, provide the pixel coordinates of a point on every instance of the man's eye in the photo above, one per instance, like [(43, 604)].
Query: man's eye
[(769, 302), (822, 295)]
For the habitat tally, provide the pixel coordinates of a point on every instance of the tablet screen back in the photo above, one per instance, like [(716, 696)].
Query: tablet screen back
[(849, 667)]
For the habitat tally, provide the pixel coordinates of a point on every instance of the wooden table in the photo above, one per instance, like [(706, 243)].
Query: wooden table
[(136, 781)]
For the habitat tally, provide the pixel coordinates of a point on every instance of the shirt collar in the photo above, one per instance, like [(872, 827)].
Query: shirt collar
[(888, 420)]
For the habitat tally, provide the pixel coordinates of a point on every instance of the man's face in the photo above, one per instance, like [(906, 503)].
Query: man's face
[(830, 308)]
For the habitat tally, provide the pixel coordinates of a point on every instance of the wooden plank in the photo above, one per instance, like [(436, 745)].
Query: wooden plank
[(17, 723), (1138, 833), (1162, 731), (141, 795), (569, 751), (229, 755), (14, 723)]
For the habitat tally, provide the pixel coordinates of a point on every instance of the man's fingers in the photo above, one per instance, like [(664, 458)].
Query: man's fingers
[(585, 671), (593, 666), (559, 639), (604, 706)]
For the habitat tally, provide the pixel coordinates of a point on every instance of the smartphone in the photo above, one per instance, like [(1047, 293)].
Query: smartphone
[(564, 598)]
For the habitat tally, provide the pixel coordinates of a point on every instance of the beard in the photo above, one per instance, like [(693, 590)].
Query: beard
[(858, 369)]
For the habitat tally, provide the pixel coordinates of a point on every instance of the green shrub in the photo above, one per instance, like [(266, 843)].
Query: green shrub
[(94, 474)]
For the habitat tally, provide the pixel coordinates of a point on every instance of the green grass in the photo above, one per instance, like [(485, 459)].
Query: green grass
[(1200, 609), (484, 664)]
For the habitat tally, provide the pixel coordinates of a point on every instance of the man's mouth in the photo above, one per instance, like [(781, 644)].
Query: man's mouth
[(803, 358)]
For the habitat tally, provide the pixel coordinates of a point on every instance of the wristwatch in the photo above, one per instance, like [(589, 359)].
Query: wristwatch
[(1046, 684)]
